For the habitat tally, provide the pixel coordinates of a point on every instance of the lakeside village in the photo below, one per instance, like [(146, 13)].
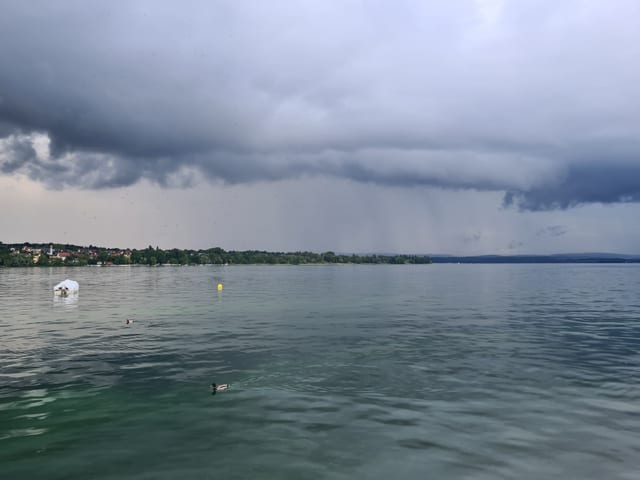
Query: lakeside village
[(58, 255)]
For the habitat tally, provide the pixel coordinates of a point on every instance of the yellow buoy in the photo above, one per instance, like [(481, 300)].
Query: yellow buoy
[(219, 286)]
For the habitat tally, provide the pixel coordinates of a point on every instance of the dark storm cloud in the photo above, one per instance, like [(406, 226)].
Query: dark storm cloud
[(19, 154), (595, 182), (536, 99)]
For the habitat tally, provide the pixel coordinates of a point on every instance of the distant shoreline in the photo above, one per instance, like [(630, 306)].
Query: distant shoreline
[(57, 255)]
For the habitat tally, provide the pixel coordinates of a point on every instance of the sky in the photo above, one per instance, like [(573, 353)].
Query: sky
[(444, 127)]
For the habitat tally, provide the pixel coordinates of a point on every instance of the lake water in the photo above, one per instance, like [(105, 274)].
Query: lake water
[(337, 372)]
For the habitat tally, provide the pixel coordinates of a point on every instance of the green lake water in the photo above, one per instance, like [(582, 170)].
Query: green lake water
[(337, 372)]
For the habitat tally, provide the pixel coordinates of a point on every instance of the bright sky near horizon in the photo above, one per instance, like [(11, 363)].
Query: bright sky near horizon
[(462, 127)]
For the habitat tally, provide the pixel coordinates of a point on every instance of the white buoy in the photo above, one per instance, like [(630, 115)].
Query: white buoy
[(66, 287)]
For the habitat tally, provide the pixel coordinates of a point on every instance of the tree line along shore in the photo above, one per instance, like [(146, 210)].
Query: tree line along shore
[(57, 255)]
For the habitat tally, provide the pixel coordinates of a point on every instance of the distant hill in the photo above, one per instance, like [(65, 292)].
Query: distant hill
[(555, 258)]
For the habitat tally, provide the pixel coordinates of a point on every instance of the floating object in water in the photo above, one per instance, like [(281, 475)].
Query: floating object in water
[(128, 321), (66, 287), (219, 388), (219, 286)]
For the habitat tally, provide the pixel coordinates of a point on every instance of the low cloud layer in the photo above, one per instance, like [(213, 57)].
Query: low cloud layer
[(537, 99)]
